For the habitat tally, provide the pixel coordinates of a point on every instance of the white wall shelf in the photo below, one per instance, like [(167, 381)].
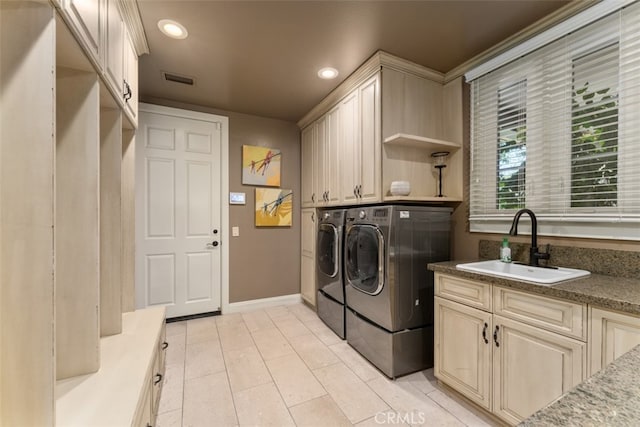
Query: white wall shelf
[(430, 144)]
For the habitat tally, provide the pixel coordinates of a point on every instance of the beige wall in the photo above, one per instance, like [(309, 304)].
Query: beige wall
[(465, 244), (263, 262)]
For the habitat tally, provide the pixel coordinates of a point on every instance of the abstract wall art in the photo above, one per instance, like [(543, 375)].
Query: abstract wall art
[(261, 166), (274, 207)]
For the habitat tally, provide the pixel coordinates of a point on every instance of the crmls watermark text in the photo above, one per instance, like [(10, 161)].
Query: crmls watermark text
[(400, 417)]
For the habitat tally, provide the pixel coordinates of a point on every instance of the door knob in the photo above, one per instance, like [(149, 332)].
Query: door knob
[(214, 243), (215, 231)]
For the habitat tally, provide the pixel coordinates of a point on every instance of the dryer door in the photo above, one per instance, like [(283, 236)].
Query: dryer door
[(327, 250), (364, 258)]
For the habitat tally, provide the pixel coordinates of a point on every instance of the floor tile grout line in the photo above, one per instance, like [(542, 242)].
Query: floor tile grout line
[(339, 360), (226, 371)]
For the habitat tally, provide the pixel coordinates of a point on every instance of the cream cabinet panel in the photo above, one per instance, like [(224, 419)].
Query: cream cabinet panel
[(308, 256), (320, 138), (531, 368), (332, 158), (561, 316), (85, 17), (308, 167), (611, 335), (411, 105), (370, 149), (463, 350), (130, 84), (113, 46), (350, 148), (474, 294)]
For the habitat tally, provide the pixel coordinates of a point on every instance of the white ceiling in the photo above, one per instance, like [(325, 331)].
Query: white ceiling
[(261, 57)]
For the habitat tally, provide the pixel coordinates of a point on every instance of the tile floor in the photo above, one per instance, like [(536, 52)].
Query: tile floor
[(283, 367)]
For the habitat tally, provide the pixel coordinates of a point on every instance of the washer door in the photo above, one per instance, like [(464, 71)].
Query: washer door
[(327, 250), (364, 258)]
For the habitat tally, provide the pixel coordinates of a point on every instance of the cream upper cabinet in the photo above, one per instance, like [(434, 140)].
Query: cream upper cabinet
[(331, 158), (320, 141), (349, 147), (308, 166), (129, 86), (611, 335), (392, 115), (308, 259), (100, 29), (463, 349), (369, 151), (531, 368), (113, 45), (360, 144), (85, 17), (512, 363)]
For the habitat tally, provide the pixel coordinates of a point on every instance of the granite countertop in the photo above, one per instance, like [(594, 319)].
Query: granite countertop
[(609, 398), (614, 293)]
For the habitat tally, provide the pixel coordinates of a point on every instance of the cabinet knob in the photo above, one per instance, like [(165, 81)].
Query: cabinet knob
[(495, 335)]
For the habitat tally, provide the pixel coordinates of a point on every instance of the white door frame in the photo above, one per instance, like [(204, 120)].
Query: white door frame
[(224, 187)]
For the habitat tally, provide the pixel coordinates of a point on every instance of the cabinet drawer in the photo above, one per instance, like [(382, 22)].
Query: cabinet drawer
[(555, 315), (474, 294)]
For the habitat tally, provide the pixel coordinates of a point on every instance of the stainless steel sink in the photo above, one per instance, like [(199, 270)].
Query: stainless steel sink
[(539, 275)]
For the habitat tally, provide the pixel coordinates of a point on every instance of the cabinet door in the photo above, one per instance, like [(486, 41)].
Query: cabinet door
[(86, 20), (113, 47), (350, 148), (370, 150), (332, 161), (463, 350), (531, 368), (308, 256), (612, 335), (308, 167), (320, 138), (130, 89)]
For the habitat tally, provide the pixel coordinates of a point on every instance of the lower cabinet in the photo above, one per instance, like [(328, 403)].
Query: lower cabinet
[(509, 367), (531, 368), (126, 390), (463, 350), (611, 334), (308, 256)]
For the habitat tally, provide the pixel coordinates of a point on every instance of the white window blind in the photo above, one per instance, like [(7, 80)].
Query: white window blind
[(558, 131)]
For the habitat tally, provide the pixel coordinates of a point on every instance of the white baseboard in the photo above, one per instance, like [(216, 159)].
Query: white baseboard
[(257, 304)]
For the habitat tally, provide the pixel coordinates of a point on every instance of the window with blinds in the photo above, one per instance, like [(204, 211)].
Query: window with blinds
[(558, 131)]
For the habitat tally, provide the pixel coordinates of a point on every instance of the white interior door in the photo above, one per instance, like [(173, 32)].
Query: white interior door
[(178, 214)]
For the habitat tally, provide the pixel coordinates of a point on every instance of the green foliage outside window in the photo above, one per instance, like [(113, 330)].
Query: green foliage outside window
[(594, 148)]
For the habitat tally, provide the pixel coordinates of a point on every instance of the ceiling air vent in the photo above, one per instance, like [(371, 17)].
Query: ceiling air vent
[(170, 77)]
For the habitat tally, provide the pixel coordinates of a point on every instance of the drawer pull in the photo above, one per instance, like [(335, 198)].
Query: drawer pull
[(158, 379), (484, 333), (165, 345), (495, 336)]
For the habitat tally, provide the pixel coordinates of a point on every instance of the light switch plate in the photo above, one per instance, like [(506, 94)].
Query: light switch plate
[(235, 231)]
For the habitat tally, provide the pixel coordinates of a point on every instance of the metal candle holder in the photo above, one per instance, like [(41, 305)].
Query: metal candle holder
[(439, 158)]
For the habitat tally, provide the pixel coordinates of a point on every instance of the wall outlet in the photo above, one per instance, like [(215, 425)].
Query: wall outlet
[(235, 231)]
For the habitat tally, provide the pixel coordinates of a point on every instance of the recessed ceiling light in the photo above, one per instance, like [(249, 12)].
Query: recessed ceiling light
[(328, 73), (173, 29)]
